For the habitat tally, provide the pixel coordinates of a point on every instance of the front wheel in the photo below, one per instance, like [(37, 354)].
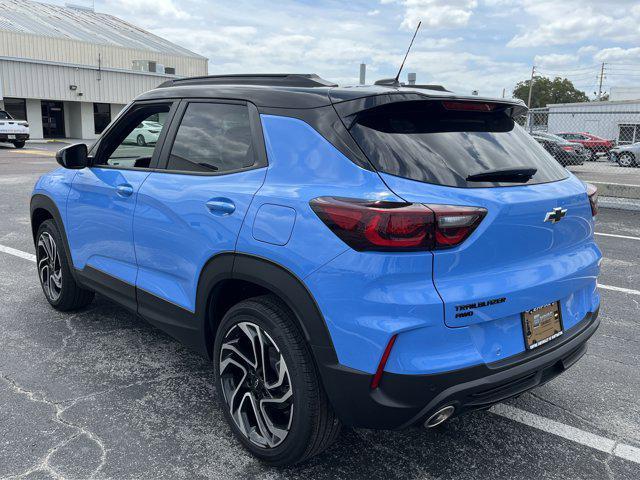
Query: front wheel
[(141, 141), (19, 144), (59, 287), (268, 385)]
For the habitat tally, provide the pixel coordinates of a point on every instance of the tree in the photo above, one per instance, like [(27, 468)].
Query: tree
[(547, 91)]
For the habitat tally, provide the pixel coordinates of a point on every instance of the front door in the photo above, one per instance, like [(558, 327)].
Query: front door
[(194, 208), (52, 119), (102, 201)]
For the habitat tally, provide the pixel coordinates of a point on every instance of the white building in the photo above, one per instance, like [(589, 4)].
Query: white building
[(614, 120), (69, 70)]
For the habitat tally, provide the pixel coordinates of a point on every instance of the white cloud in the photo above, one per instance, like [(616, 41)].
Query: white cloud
[(617, 53), (437, 13), (373, 13), (572, 21), (164, 8), (554, 60)]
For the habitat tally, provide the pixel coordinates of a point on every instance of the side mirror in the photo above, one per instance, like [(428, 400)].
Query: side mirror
[(73, 156)]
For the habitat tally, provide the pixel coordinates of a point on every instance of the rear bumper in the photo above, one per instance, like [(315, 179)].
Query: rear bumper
[(403, 400), (20, 137)]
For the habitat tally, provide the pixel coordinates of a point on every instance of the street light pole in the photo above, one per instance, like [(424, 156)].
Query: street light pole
[(600, 84)]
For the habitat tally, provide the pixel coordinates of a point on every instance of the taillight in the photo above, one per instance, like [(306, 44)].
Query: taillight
[(367, 225), (592, 192), (567, 148)]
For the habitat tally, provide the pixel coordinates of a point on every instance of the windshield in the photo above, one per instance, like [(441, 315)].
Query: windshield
[(424, 141)]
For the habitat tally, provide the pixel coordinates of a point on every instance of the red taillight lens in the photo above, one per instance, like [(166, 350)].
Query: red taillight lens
[(469, 106), (367, 225), (567, 148), (592, 192)]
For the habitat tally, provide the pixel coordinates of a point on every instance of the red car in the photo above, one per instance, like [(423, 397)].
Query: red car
[(590, 142)]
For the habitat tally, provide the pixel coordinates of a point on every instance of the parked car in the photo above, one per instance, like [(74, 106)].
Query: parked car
[(147, 132), (12, 130), (330, 251), (566, 153), (592, 143), (626, 155)]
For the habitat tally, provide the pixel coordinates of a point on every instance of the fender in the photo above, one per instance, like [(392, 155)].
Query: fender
[(40, 202)]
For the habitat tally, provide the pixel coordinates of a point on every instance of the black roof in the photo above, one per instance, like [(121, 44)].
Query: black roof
[(293, 90)]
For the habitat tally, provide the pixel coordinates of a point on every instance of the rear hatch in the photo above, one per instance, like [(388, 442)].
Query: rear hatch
[(535, 244)]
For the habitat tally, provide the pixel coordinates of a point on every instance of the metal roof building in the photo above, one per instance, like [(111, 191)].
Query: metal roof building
[(69, 70)]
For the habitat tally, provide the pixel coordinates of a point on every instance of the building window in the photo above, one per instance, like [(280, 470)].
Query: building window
[(101, 116), (17, 108), (628, 133)]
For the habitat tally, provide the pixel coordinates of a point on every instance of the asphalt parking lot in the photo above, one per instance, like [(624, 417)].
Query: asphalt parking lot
[(101, 394)]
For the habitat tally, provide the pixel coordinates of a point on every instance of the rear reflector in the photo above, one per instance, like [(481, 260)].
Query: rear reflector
[(383, 361), (592, 192), (367, 225)]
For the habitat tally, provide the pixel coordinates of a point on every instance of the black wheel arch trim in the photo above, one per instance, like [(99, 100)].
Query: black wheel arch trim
[(43, 202)]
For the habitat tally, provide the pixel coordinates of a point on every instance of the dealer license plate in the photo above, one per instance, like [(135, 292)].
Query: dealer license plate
[(541, 325)]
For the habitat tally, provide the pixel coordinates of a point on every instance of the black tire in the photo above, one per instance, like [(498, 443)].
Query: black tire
[(69, 296), (313, 425), (140, 140), (626, 159), (593, 157), (19, 144)]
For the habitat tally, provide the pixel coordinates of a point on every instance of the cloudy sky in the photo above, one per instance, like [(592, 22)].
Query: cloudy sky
[(484, 45)]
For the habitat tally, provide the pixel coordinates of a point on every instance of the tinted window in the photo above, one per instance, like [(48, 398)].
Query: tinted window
[(101, 116), (132, 141), (4, 115), (16, 108), (213, 137), (423, 141)]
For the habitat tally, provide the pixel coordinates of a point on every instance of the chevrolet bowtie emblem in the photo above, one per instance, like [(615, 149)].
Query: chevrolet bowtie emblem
[(555, 215)]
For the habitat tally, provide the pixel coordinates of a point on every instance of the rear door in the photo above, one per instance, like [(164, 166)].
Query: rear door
[(192, 208), (518, 258)]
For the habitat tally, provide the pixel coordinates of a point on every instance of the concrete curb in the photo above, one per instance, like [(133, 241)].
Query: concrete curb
[(619, 203), (618, 190)]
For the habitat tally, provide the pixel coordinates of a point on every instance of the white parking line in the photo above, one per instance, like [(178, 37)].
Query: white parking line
[(617, 236), (619, 289), (582, 437), (588, 439), (18, 253)]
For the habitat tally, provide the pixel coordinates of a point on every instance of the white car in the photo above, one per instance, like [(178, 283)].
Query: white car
[(13, 131), (145, 133)]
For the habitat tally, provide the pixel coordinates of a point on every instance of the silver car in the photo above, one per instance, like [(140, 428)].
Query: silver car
[(626, 155)]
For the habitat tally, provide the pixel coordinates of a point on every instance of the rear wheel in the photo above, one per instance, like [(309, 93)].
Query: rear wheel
[(626, 159), (268, 385), (54, 271), (593, 156), (141, 141), (19, 144)]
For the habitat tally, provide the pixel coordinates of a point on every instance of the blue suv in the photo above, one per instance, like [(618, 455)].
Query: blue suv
[(377, 256)]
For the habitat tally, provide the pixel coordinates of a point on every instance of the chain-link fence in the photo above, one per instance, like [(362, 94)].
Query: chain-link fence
[(599, 143)]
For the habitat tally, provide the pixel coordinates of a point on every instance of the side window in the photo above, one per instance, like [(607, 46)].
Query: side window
[(132, 140), (214, 138)]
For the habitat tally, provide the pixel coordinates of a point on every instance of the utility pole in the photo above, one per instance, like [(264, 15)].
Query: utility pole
[(533, 72), (600, 84)]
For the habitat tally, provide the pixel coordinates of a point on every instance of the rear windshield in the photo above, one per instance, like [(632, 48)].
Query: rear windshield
[(423, 141), (4, 115)]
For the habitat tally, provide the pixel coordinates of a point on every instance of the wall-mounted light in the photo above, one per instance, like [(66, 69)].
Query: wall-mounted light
[(73, 87)]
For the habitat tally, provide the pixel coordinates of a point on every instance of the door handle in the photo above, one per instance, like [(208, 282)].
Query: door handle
[(221, 206), (124, 190)]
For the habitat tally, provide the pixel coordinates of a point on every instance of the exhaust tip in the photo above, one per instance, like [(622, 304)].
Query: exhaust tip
[(439, 417)]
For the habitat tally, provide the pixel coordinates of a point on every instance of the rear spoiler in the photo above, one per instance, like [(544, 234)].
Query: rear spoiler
[(350, 108)]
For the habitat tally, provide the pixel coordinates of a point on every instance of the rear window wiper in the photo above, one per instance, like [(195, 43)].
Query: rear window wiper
[(513, 174)]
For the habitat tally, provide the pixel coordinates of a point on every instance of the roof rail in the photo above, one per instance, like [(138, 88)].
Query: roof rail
[(266, 79)]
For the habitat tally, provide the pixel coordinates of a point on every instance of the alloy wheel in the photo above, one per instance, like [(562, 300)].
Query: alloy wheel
[(625, 160), (256, 385), (49, 266)]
